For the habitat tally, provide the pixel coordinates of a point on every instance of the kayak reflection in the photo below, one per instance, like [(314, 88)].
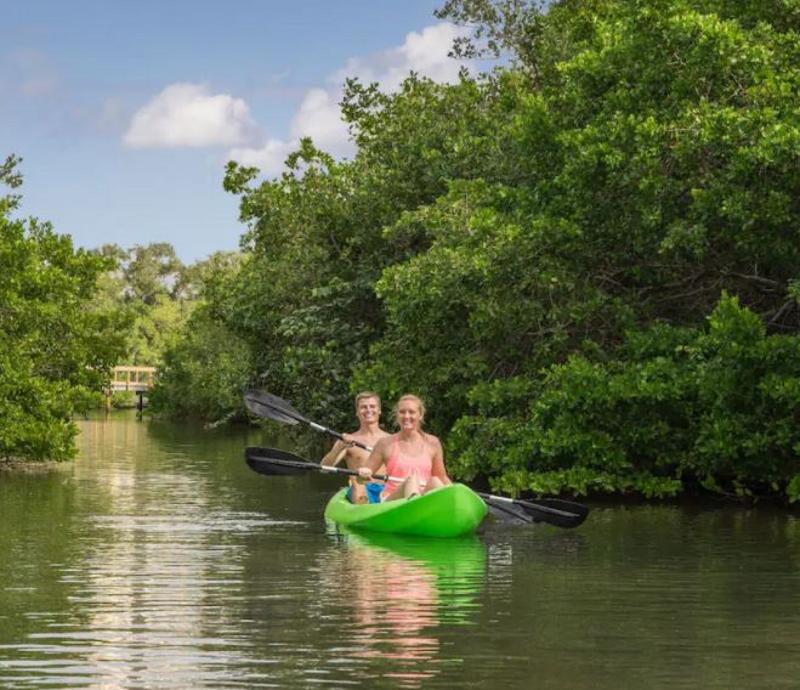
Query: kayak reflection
[(405, 589)]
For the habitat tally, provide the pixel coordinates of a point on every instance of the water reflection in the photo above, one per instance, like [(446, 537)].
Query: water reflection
[(401, 589), (146, 596), (159, 560)]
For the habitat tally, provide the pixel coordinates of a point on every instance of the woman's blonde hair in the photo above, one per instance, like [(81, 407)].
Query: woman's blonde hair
[(416, 399)]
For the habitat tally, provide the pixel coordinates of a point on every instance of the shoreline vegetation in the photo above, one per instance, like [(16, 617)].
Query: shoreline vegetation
[(584, 260), (21, 466)]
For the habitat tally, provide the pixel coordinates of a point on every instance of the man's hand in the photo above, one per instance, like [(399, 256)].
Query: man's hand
[(364, 473)]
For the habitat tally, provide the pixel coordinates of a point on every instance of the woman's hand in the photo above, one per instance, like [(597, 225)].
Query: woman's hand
[(364, 473)]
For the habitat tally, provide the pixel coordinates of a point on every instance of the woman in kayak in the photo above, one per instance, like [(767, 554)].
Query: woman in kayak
[(410, 455)]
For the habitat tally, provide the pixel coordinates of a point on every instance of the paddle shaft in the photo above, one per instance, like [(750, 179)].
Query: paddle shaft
[(260, 458), (336, 434), (311, 466)]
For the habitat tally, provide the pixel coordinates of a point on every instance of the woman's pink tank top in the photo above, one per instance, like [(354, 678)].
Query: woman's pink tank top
[(401, 465)]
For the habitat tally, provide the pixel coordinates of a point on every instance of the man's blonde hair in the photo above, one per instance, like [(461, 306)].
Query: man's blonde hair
[(367, 394)]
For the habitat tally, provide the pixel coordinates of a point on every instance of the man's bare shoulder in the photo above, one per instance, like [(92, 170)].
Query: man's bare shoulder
[(369, 436), (373, 434)]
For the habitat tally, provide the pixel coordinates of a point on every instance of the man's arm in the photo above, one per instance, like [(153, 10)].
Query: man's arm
[(335, 454)]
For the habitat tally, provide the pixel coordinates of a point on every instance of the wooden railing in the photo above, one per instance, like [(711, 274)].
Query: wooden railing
[(129, 378)]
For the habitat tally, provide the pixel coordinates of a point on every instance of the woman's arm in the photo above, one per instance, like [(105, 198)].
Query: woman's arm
[(376, 458), (437, 467)]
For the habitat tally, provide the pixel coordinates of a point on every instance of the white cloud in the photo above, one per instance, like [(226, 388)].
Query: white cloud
[(268, 158), (319, 115), (320, 118), (424, 52), (189, 115)]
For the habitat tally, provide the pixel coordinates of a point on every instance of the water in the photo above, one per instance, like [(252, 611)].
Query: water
[(158, 560)]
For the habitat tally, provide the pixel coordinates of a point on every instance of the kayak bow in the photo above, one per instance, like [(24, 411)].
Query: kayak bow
[(448, 511)]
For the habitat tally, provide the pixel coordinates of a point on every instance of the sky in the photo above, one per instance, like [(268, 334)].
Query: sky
[(125, 112)]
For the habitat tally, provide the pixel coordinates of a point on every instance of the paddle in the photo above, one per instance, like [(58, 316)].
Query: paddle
[(554, 511), (276, 462), (270, 406)]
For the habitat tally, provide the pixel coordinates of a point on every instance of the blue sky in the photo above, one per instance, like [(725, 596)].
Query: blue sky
[(124, 112)]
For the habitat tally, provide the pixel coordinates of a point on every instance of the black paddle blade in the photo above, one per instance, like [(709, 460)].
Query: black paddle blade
[(278, 403), (542, 512), (275, 462), (539, 511), (272, 407), (509, 513)]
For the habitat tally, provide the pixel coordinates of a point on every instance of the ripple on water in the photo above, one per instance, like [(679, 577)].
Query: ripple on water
[(163, 562)]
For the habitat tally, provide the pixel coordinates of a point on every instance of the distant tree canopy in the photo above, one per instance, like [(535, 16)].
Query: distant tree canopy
[(55, 350), (156, 292), (585, 260)]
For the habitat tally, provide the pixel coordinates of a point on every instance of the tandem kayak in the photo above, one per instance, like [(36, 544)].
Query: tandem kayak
[(448, 511)]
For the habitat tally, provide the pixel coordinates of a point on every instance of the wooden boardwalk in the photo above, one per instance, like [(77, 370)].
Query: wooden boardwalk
[(129, 378)]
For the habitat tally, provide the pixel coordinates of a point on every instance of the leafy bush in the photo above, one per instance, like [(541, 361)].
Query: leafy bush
[(55, 351), (716, 407), (207, 372), (586, 260)]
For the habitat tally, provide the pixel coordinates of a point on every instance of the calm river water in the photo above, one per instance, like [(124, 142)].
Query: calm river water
[(159, 560)]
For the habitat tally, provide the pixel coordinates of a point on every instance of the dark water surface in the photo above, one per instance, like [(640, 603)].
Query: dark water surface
[(158, 560)]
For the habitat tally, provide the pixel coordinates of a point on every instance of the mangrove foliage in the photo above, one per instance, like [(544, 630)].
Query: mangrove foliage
[(585, 259), (56, 347)]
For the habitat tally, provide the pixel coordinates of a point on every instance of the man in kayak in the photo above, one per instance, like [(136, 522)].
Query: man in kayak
[(368, 413), (411, 456)]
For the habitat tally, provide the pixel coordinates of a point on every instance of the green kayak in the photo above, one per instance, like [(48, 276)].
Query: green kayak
[(449, 511)]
